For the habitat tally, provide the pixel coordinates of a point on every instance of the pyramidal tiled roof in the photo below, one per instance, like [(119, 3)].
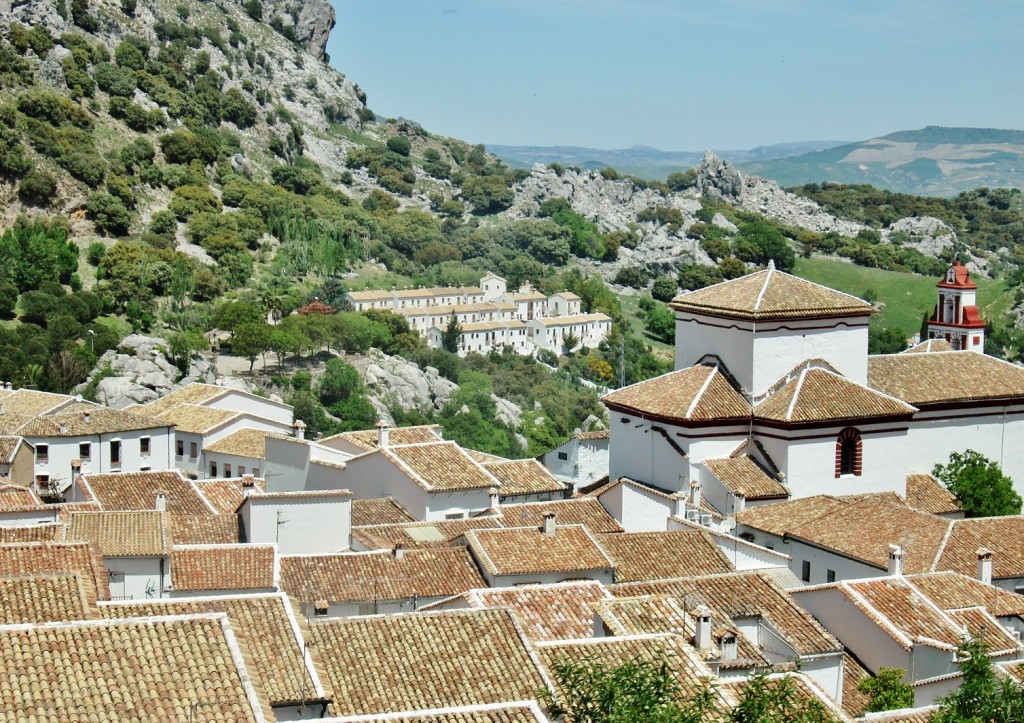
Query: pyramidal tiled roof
[(819, 395), (770, 294), (697, 393)]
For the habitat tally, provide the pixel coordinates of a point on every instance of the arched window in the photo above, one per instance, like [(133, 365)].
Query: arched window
[(848, 453)]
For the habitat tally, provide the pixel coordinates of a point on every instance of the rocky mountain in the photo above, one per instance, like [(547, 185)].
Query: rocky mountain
[(644, 161), (932, 161)]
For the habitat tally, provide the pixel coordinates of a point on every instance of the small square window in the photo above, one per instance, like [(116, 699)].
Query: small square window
[(805, 571), (563, 455), (227, 470), (830, 575), (42, 453), (241, 471), (255, 471), (213, 469), (144, 445), (179, 448), (85, 451)]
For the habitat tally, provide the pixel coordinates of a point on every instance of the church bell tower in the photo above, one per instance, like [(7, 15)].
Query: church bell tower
[(956, 318)]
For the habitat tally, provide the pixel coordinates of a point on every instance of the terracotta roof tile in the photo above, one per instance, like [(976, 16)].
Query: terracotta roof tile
[(94, 420), (243, 443), (593, 435), (573, 320), (689, 671), (563, 611), (770, 294), (659, 614), (360, 577), (366, 439), (201, 568), (855, 703), (416, 661), (927, 494), (8, 447), (268, 632), (955, 376), (33, 558), (520, 712), (951, 590), (197, 419), (379, 511), (45, 598), (33, 403), (697, 393), (31, 533), (225, 495), (664, 555), (412, 535), (82, 671), (206, 529), (1004, 536), (138, 491), (121, 534), (586, 511), (745, 476), (195, 393), (745, 595), (928, 346), (524, 477), (527, 550), (13, 496), (803, 689), (817, 394), (440, 466)]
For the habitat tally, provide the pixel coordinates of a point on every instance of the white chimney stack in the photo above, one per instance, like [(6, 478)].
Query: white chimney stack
[(985, 565), (161, 501), (300, 429), (695, 493), (399, 551), (739, 502), (248, 485), (895, 560), (492, 493), (548, 528), (702, 621), (86, 416), (383, 434)]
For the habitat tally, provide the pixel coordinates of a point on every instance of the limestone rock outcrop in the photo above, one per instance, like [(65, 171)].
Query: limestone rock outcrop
[(719, 180)]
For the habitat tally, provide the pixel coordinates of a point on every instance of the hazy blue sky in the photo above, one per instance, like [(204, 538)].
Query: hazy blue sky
[(682, 75)]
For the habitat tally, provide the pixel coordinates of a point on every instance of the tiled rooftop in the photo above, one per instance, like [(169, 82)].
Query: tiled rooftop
[(202, 568), (893, 603), (695, 394), (31, 402), (927, 494), (440, 467), (745, 595), (954, 376), (197, 419), (418, 534), (34, 558), (417, 661), (44, 598), (928, 346), (586, 511), (520, 712), (528, 550), (31, 533), (818, 395), (8, 447), (249, 443), (84, 671), (379, 511), (361, 577), (13, 496), (205, 529), (951, 590), (664, 555), (225, 495), (268, 632), (366, 439), (524, 476), (121, 534), (94, 420), (770, 294), (195, 393), (138, 491), (745, 476), (563, 611)]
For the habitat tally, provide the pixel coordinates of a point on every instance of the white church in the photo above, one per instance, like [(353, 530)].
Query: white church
[(774, 396)]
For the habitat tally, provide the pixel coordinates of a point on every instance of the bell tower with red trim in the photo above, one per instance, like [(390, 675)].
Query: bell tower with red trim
[(956, 318)]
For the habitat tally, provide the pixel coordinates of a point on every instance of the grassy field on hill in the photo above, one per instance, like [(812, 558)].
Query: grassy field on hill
[(906, 296)]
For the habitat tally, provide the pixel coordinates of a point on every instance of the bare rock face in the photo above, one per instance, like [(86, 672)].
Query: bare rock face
[(312, 20), (719, 179)]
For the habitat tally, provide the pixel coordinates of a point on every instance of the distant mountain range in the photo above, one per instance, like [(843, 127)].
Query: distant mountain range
[(932, 161)]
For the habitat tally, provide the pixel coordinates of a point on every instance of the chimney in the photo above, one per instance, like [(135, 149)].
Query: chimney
[(739, 502), (161, 501), (985, 565), (248, 486), (729, 647), (383, 434), (399, 551), (7, 386), (320, 608), (695, 493), (300, 429), (86, 416), (895, 560), (492, 493), (702, 634), (548, 528), (62, 427)]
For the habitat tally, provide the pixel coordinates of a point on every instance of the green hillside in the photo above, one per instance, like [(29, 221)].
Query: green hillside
[(907, 297)]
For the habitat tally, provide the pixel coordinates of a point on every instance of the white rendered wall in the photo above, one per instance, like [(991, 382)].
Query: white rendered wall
[(639, 510), (759, 356), (821, 560), (586, 461), (827, 672), (934, 435), (548, 578), (239, 465), (137, 578), (61, 450), (299, 525), (236, 401)]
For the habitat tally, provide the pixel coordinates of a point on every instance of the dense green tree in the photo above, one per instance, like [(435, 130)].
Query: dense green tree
[(664, 288), (452, 335), (399, 145), (660, 323), (251, 340), (108, 213), (37, 188), (232, 315), (760, 241), (488, 194), (979, 484), (885, 340), (887, 690), (36, 252), (693, 277), (981, 697), (8, 299)]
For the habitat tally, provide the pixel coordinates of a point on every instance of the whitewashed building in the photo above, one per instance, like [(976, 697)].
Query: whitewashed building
[(582, 460)]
